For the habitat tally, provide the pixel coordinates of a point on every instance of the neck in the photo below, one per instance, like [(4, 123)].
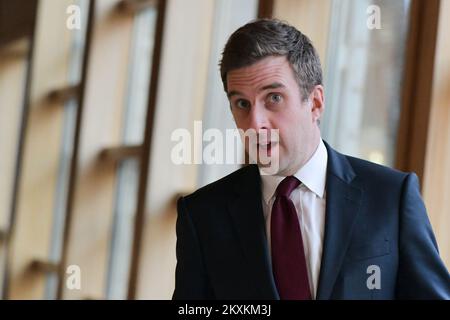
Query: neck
[(308, 155)]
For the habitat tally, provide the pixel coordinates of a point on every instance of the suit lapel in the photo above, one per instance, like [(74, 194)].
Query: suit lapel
[(343, 200), (248, 219)]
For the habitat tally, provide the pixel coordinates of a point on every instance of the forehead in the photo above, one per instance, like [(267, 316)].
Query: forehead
[(266, 71)]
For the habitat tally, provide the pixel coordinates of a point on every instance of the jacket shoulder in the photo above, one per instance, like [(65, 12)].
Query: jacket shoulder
[(223, 187), (377, 172)]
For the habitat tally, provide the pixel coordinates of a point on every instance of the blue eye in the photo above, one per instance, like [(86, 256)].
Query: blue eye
[(242, 104), (275, 98)]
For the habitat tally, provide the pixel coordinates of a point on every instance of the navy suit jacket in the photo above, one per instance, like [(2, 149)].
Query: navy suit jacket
[(374, 217)]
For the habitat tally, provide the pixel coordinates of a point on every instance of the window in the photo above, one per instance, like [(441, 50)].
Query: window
[(363, 78), (133, 135), (75, 62)]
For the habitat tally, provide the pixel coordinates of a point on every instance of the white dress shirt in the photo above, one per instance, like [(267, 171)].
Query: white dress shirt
[(309, 200)]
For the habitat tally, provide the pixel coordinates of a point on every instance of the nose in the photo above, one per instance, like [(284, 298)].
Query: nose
[(258, 118)]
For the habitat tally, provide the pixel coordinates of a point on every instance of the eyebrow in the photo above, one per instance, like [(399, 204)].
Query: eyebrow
[(273, 85)]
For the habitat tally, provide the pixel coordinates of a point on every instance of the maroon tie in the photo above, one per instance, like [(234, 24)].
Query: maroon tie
[(288, 256)]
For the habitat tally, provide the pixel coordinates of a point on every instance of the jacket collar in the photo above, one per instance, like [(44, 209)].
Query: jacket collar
[(343, 201)]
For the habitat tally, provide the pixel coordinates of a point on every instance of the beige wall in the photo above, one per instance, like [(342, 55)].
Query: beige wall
[(181, 94), (12, 86), (311, 17), (31, 237), (180, 101), (90, 234), (436, 184)]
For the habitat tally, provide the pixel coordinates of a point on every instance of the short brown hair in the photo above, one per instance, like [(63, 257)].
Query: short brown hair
[(271, 37)]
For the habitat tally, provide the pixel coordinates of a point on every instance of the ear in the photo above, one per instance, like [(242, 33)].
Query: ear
[(317, 103)]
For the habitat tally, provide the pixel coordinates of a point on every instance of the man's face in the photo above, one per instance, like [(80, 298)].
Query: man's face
[(266, 96)]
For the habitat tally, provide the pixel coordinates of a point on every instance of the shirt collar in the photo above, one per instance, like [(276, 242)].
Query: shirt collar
[(313, 175)]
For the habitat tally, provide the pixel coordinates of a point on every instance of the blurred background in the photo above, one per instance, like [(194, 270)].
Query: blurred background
[(91, 91)]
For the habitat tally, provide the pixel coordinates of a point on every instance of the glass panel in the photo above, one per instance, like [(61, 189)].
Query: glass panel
[(228, 16), (75, 63), (364, 77), (133, 134)]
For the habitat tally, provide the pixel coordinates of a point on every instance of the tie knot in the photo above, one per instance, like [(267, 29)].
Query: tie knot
[(287, 186)]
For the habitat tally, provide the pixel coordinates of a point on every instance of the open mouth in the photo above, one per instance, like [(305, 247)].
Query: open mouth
[(266, 147)]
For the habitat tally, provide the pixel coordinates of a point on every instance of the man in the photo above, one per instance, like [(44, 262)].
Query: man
[(322, 225)]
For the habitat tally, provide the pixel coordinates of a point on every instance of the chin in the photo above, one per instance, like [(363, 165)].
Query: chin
[(269, 170)]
